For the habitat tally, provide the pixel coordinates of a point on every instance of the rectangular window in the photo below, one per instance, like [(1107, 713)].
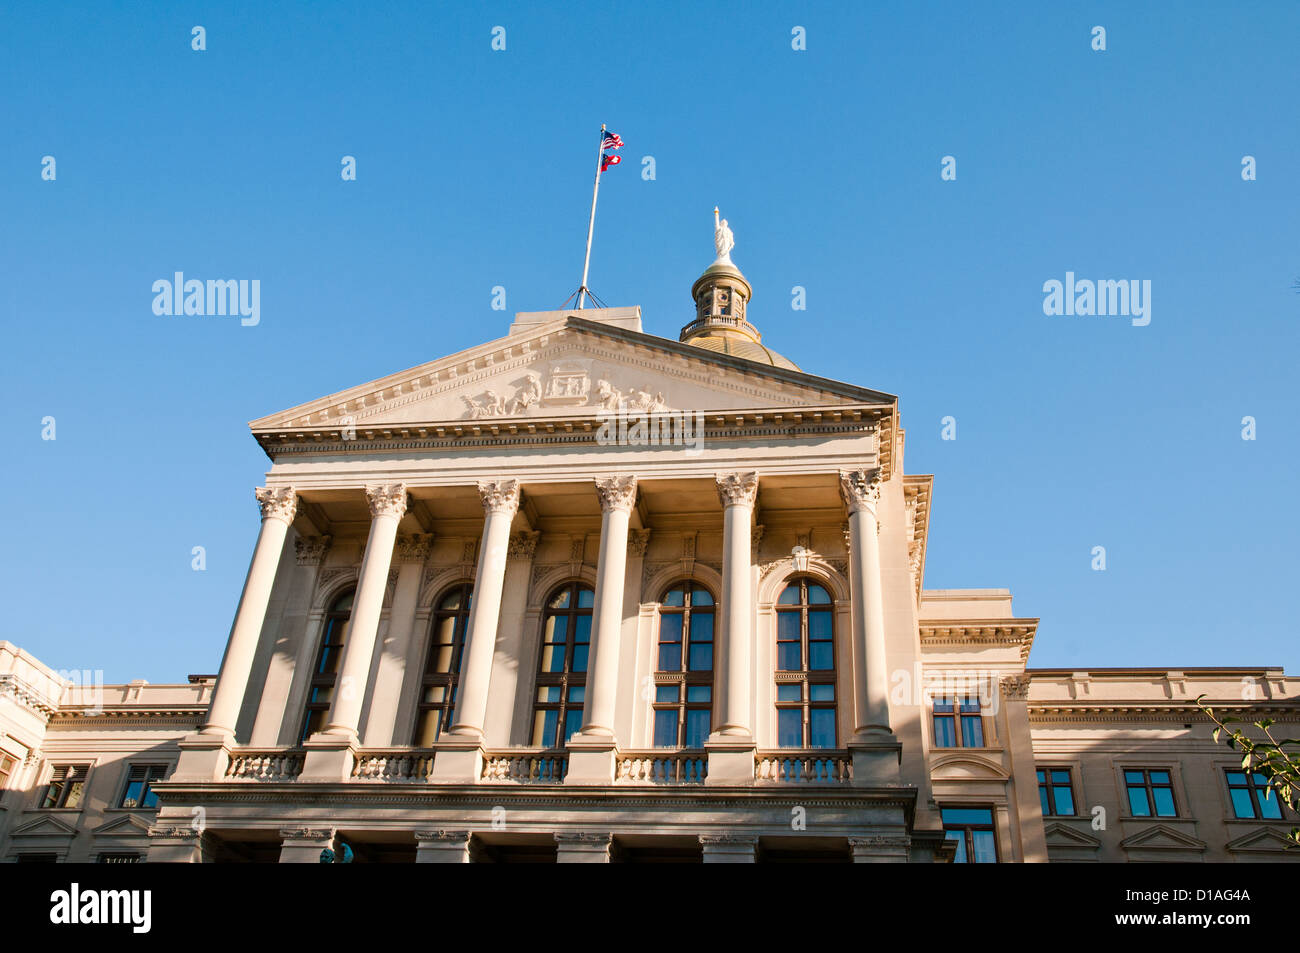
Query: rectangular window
[(945, 723), (1253, 797), (957, 722), (1055, 792), (139, 785), (7, 765), (1150, 792), (972, 830), (67, 786)]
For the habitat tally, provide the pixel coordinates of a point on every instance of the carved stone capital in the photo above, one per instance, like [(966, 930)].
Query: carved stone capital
[(175, 833), (881, 841), (738, 489), (1015, 687), (638, 540), (522, 545), (386, 499), (616, 493), (499, 496), (414, 548), (860, 489), (277, 502), (443, 837), (583, 839), (729, 840), (307, 833), (311, 550)]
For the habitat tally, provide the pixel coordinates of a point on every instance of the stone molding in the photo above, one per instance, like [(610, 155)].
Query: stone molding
[(414, 548), (638, 540), (522, 545), (443, 837)]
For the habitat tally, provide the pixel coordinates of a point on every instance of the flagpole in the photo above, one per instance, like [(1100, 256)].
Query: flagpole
[(591, 224)]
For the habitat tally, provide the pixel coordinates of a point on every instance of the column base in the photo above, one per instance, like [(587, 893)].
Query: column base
[(329, 757), (204, 757), (876, 760), (591, 759), (731, 759), (459, 760)]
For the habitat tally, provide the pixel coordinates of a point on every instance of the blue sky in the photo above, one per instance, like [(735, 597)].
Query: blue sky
[(474, 170)]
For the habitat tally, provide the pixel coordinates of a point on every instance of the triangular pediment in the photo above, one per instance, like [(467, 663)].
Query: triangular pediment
[(1162, 836), (1265, 839), (46, 826), (1062, 835), (128, 825), (570, 368)]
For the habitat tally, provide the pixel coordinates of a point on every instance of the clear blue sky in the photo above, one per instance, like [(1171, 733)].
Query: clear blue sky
[(474, 170)]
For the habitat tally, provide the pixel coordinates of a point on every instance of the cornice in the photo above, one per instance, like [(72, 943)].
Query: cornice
[(917, 489), (1005, 632), (11, 686), (1044, 712)]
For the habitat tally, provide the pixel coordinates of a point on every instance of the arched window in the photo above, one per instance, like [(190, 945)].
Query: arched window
[(805, 666), (442, 665), (320, 692), (683, 702), (562, 670)]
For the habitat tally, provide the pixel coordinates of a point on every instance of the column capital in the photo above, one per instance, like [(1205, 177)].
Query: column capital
[(738, 489), (311, 550), (637, 542), (499, 496), (386, 499), (444, 837), (522, 545), (860, 489), (414, 548), (616, 493), (277, 502)]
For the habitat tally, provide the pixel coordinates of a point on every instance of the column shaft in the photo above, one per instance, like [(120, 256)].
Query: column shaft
[(861, 492), (617, 496), (738, 493), (387, 505), (279, 505), (500, 503)]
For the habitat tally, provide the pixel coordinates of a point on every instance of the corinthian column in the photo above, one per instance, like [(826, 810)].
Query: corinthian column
[(737, 492), (500, 503), (387, 506), (617, 497), (279, 506), (860, 490)]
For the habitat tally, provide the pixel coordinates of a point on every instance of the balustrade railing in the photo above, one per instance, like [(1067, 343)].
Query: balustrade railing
[(662, 767), (804, 766), (264, 764), (525, 766), (393, 764)]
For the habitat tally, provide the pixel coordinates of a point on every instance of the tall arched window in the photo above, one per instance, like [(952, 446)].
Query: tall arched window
[(805, 666), (562, 670), (683, 704), (320, 692), (442, 665)]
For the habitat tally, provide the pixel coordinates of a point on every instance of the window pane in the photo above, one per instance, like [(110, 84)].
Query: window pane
[(701, 659), (1134, 777), (788, 657), (702, 627), (967, 815), (343, 603), (1064, 801), (1061, 777), (1236, 777), (572, 723), (789, 693), (75, 790), (1042, 799), (960, 838), (577, 693), (548, 693), (817, 595), (789, 596), (1137, 802), (972, 732), (676, 597), (555, 628), (670, 627), (945, 733), (451, 600), (1159, 777), (1164, 802), (985, 852), (553, 658), (666, 728), (701, 597), (426, 729), (132, 796), (789, 728), (697, 728), (699, 693), (942, 704), (820, 657), (440, 659), (819, 624), (821, 728), (666, 693), (670, 657), (580, 658), (586, 597), (1269, 804), (560, 600), (544, 725), (1241, 803), (821, 693), (582, 628)]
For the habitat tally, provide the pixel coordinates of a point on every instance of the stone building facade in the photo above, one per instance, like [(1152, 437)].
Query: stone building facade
[(584, 594)]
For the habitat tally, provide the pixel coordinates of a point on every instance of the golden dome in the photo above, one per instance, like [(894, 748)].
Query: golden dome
[(721, 321)]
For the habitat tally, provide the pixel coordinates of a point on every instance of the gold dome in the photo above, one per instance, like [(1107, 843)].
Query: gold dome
[(721, 324), (738, 345)]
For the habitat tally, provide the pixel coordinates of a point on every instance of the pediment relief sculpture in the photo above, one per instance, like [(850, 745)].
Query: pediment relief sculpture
[(567, 385)]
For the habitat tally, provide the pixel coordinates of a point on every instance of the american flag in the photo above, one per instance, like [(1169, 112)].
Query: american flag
[(609, 161), (612, 140)]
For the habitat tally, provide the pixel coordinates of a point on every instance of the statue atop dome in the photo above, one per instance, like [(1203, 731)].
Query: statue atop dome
[(723, 240)]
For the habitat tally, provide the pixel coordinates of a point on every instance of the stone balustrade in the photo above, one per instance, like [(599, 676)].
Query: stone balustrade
[(804, 766), (662, 766), (265, 764), (393, 764), (525, 766)]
